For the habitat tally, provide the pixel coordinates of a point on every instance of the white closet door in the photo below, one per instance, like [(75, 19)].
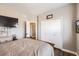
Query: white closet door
[(51, 31)]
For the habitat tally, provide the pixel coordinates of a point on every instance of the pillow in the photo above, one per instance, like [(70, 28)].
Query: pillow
[(5, 39)]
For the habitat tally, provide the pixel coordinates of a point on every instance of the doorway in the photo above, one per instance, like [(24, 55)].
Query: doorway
[(33, 30)]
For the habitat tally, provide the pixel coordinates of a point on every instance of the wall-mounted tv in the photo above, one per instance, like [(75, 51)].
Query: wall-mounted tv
[(6, 21)]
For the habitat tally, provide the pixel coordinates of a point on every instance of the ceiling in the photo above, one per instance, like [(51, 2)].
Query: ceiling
[(34, 8)]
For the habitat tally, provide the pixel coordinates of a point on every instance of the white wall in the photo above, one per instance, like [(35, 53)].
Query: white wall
[(67, 14), (9, 11), (77, 33)]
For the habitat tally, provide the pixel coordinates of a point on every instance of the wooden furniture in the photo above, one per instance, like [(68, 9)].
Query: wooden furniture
[(64, 52)]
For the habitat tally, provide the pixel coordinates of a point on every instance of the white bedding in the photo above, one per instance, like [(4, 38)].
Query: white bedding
[(26, 47)]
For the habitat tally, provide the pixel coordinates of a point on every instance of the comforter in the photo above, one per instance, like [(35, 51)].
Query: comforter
[(26, 47)]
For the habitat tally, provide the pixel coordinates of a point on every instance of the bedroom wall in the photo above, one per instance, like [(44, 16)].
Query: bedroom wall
[(9, 11), (67, 14), (77, 33)]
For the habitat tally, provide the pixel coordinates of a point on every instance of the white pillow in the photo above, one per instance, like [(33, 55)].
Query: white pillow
[(5, 39)]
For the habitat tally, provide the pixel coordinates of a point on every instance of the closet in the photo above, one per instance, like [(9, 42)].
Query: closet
[(52, 31)]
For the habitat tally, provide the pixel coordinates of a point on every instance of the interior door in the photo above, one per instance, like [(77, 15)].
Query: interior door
[(51, 31), (33, 30)]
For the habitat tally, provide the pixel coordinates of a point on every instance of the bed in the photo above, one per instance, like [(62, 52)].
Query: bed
[(26, 47)]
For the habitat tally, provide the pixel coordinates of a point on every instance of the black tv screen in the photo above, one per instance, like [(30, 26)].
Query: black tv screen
[(8, 21)]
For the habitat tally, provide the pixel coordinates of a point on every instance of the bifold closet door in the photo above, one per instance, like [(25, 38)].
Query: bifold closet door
[(52, 31)]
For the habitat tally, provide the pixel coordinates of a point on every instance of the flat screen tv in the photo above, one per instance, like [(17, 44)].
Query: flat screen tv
[(8, 21)]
